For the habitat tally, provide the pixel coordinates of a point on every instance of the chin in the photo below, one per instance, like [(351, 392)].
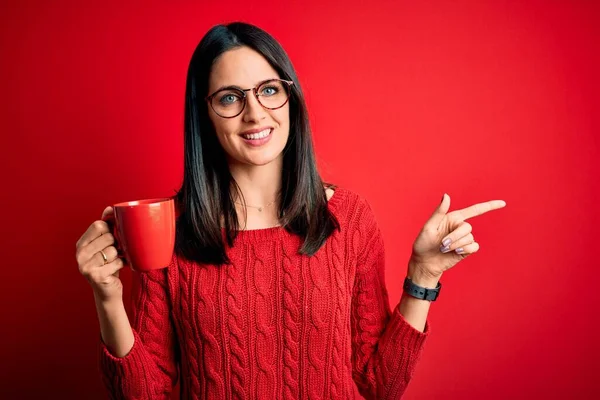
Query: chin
[(263, 157), (261, 161)]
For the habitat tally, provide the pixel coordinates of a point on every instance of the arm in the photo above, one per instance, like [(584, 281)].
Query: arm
[(115, 329), (140, 362), (385, 346), (415, 310)]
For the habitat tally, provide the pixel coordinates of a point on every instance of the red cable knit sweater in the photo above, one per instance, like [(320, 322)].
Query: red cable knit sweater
[(274, 324)]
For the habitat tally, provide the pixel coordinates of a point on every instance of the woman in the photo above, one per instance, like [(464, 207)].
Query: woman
[(276, 288)]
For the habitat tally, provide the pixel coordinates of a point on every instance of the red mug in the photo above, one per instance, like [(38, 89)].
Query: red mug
[(144, 232)]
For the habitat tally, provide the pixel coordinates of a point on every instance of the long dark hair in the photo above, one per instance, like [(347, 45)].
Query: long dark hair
[(205, 194)]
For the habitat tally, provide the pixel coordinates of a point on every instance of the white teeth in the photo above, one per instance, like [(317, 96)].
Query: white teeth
[(259, 135)]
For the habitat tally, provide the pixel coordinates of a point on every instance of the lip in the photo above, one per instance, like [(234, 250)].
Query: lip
[(251, 131), (258, 142)]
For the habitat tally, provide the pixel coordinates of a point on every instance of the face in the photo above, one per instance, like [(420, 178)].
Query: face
[(246, 68)]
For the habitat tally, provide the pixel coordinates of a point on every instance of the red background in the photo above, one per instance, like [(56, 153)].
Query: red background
[(408, 100)]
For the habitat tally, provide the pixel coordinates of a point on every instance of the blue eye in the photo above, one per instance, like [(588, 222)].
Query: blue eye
[(228, 99), (270, 91)]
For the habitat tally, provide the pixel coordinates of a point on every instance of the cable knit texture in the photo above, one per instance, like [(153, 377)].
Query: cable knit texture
[(273, 324)]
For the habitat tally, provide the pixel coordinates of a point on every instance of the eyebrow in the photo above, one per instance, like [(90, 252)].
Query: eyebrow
[(239, 88)]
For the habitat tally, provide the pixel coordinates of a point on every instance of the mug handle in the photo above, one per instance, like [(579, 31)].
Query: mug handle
[(112, 225)]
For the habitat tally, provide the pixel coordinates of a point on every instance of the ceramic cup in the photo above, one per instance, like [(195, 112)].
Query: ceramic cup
[(144, 232)]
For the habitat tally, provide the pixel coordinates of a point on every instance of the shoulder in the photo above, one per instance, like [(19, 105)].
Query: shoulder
[(360, 226), (349, 206)]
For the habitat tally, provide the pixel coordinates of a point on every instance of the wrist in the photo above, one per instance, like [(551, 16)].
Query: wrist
[(109, 303), (423, 282), (420, 276)]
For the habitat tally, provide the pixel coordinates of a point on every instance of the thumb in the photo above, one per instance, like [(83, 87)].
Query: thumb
[(108, 213), (444, 205), (440, 211)]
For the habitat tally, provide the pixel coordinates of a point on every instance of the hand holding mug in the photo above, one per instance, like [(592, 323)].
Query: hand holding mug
[(140, 234), (98, 258)]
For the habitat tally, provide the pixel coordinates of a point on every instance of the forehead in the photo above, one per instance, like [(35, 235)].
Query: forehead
[(241, 67)]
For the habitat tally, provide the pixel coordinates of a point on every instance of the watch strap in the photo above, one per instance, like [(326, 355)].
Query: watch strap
[(421, 292)]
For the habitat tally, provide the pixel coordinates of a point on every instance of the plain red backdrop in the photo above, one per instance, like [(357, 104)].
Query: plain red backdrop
[(408, 100)]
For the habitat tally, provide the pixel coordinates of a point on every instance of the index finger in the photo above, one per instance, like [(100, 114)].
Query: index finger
[(101, 226), (479, 209)]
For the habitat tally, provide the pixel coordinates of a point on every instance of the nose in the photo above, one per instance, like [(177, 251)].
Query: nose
[(254, 111)]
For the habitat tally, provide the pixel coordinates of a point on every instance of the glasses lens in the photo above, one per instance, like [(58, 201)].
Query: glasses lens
[(228, 102), (273, 94)]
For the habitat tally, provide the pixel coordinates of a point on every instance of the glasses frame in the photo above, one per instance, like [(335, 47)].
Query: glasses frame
[(255, 91)]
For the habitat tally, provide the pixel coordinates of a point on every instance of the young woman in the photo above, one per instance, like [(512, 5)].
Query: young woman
[(276, 289)]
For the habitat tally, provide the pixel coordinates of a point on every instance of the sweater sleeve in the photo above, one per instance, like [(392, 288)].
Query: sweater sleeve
[(385, 347), (150, 369)]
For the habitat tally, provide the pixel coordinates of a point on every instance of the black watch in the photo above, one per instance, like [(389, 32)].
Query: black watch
[(421, 292)]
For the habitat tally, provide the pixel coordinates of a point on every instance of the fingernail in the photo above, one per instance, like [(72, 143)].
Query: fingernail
[(444, 249), (446, 242), (460, 250)]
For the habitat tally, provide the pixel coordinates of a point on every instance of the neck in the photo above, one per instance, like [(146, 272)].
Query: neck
[(260, 185)]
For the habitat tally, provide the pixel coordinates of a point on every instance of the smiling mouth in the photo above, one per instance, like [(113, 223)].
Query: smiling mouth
[(259, 135)]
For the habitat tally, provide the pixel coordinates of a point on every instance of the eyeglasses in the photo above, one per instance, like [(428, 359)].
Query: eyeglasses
[(229, 102)]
